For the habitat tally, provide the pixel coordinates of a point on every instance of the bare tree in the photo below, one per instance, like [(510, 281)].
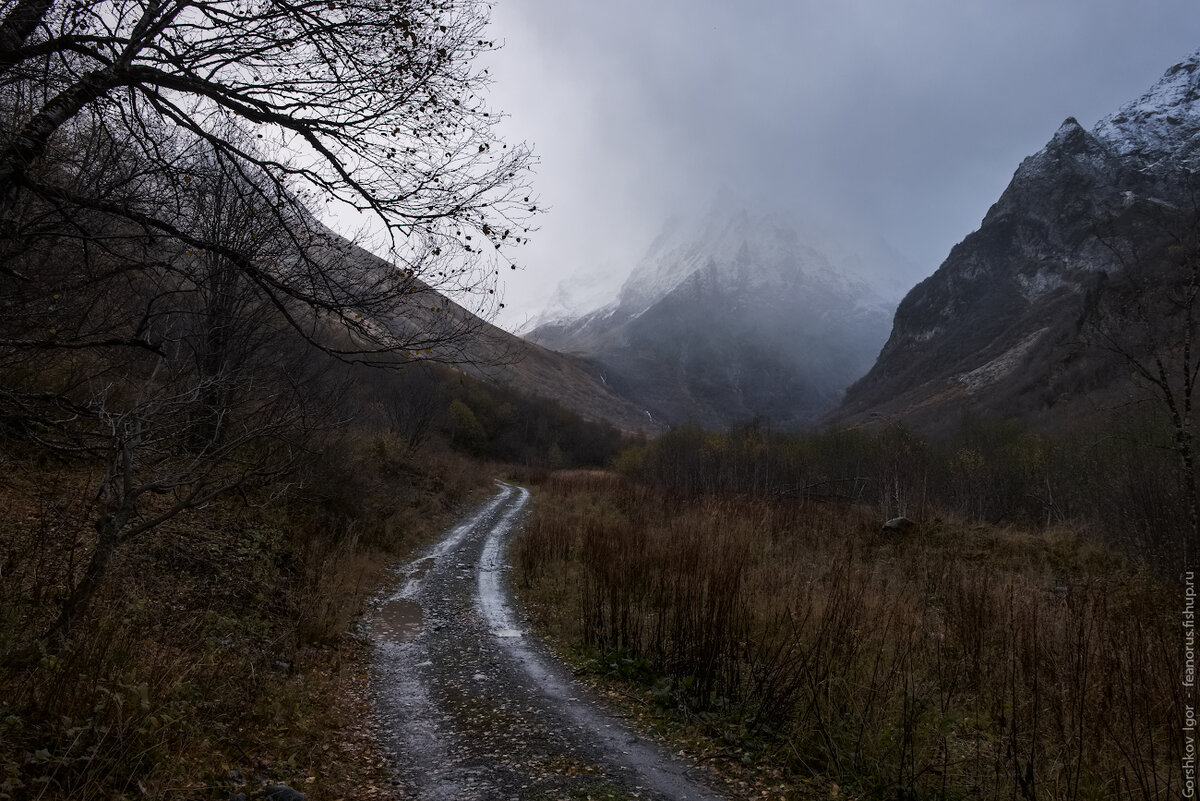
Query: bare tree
[(223, 395), (160, 163), (371, 104), (156, 465)]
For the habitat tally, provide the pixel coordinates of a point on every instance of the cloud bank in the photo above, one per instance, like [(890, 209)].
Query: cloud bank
[(900, 122)]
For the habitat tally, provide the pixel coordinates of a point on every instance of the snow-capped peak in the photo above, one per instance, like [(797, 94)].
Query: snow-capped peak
[(1070, 126), (740, 246), (584, 291), (1163, 122)]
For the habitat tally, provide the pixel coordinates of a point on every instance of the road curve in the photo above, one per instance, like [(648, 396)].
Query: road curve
[(472, 707)]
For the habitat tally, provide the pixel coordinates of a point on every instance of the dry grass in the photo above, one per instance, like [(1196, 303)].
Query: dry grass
[(218, 656), (952, 662)]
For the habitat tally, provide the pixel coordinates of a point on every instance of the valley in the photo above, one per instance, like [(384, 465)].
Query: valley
[(733, 316), (287, 514)]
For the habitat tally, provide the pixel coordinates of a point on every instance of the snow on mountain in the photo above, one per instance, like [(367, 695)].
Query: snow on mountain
[(997, 328), (577, 296), (747, 249), (1158, 134), (1164, 123), (736, 314)]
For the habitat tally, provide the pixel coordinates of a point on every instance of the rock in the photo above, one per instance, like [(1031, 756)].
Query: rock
[(281, 792), (992, 328), (898, 525), (238, 797)]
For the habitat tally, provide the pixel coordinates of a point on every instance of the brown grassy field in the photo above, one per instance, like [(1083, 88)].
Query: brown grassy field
[(805, 652)]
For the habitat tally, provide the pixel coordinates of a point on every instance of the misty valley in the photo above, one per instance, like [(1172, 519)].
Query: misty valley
[(290, 508)]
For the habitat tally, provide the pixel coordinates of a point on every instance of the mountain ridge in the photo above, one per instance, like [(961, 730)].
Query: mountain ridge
[(1040, 251)]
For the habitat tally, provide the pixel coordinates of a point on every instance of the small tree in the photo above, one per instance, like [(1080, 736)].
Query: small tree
[(412, 405), (1147, 313)]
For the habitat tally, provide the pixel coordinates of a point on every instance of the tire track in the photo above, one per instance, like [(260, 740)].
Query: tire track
[(473, 707)]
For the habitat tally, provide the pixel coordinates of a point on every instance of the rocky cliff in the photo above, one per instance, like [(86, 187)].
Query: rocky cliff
[(1001, 326)]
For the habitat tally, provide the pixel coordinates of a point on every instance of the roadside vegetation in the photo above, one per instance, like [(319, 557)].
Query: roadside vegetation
[(220, 652), (215, 657), (200, 478), (739, 594)]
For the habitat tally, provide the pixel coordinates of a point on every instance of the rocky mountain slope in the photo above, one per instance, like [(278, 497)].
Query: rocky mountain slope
[(1002, 326), (735, 316)]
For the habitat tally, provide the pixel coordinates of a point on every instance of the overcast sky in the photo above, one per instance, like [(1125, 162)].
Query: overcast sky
[(903, 120)]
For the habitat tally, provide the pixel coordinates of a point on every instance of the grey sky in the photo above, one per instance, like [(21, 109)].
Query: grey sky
[(900, 119)]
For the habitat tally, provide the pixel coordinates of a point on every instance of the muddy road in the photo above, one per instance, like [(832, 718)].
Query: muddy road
[(472, 707)]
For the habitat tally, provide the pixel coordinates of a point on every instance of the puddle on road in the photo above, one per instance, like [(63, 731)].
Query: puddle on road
[(398, 620), (508, 633)]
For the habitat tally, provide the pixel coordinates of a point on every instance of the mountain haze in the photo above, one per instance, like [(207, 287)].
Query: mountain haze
[(463, 339), (738, 315)]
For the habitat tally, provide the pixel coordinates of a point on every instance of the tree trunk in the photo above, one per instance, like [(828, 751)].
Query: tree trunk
[(30, 143), (20, 23), (109, 530)]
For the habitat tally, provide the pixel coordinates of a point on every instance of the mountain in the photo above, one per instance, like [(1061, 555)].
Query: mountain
[(575, 297), (737, 315), (1002, 325), (470, 344)]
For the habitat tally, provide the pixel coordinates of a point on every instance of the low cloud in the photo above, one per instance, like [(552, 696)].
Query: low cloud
[(904, 123)]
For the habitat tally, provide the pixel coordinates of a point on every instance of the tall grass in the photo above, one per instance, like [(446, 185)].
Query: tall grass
[(961, 661)]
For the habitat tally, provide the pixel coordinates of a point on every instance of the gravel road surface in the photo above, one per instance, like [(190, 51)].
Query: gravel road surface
[(472, 707)]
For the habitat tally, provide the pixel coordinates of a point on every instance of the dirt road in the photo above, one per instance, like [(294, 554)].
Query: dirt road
[(474, 708)]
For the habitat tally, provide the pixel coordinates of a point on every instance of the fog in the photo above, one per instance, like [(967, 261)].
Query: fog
[(900, 123)]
